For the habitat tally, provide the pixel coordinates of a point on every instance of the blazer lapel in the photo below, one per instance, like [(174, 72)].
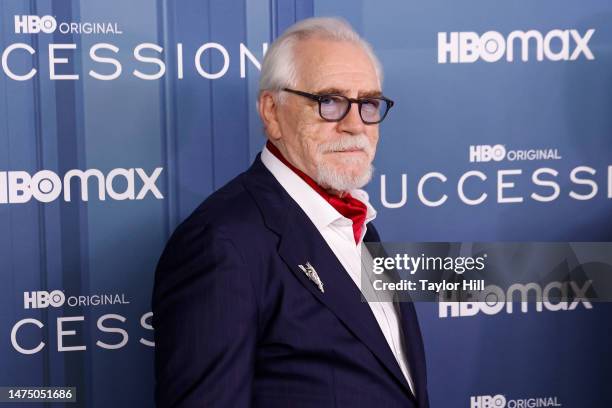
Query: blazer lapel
[(300, 243), (413, 343), (415, 352)]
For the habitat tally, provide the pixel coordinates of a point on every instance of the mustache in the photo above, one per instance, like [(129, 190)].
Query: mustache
[(354, 142)]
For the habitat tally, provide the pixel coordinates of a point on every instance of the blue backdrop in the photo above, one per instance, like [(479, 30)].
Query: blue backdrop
[(146, 107)]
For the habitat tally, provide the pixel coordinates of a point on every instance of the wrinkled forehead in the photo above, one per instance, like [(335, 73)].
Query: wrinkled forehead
[(323, 64)]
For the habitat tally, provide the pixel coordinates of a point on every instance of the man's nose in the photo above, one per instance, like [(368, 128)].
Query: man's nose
[(352, 122)]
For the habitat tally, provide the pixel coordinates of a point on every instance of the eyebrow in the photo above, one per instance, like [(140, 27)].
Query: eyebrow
[(367, 94), (361, 94)]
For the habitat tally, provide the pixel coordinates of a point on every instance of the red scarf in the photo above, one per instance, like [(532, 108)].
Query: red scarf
[(346, 205)]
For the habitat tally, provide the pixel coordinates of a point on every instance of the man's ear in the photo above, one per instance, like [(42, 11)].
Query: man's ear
[(268, 112)]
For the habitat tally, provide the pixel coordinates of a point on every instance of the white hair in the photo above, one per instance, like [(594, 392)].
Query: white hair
[(278, 69)]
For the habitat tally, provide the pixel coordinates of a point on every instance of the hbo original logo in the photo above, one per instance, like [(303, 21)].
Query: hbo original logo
[(488, 401), (42, 299), (485, 153)]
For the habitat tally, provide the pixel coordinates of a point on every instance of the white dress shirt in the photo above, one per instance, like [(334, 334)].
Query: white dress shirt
[(337, 231)]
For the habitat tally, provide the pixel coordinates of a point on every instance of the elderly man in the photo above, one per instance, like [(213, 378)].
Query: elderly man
[(257, 296)]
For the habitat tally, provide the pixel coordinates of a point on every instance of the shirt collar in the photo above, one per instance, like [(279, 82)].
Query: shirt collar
[(320, 212)]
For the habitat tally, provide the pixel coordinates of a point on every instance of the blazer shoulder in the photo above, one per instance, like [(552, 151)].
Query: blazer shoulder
[(230, 213), (230, 209)]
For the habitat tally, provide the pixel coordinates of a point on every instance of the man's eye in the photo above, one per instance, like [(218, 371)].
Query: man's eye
[(371, 103), (327, 100)]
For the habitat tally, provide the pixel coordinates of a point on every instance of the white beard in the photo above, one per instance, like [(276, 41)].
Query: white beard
[(328, 177), (339, 181)]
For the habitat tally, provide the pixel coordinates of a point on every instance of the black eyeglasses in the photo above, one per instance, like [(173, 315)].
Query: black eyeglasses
[(334, 107)]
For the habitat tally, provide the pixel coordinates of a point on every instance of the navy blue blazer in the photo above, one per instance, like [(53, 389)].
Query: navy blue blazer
[(238, 323)]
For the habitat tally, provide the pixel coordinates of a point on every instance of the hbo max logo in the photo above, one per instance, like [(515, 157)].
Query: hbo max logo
[(45, 186), (488, 401), (42, 299), (492, 46), (35, 24)]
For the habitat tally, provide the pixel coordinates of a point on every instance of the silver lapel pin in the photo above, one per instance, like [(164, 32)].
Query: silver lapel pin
[(312, 275)]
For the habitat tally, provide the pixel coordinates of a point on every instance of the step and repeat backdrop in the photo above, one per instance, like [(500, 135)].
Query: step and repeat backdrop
[(118, 118)]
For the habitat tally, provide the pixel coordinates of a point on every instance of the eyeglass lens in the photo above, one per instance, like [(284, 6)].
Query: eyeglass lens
[(334, 107)]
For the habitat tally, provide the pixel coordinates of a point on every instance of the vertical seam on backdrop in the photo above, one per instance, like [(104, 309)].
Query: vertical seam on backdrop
[(8, 142), (272, 20), (174, 136), (246, 88), (210, 107), (79, 213), (164, 119), (83, 211), (42, 230)]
